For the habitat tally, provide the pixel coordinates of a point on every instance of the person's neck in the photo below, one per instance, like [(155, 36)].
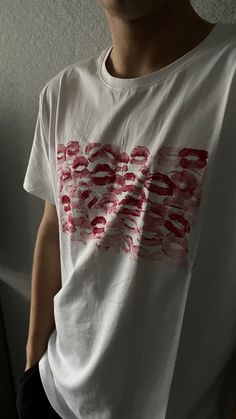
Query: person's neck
[(150, 43)]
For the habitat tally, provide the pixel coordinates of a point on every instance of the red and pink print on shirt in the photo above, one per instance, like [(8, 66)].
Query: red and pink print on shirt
[(141, 204)]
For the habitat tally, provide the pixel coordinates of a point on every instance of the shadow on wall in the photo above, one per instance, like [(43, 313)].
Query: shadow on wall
[(19, 219), (7, 386)]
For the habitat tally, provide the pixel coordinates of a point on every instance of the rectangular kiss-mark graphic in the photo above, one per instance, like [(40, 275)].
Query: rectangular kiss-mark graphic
[(141, 204)]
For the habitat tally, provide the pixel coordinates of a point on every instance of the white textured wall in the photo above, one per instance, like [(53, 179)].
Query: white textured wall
[(37, 40)]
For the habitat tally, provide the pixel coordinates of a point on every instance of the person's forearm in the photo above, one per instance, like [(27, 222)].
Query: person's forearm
[(46, 282)]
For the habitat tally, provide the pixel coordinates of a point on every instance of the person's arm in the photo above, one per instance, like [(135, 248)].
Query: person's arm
[(46, 282)]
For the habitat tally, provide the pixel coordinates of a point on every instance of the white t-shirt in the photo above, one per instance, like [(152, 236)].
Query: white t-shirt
[(143, 175)]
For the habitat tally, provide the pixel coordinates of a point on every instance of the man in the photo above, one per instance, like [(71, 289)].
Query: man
[(142, 186)]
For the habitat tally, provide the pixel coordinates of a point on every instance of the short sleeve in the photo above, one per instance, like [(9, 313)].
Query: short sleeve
[(38, 179)]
